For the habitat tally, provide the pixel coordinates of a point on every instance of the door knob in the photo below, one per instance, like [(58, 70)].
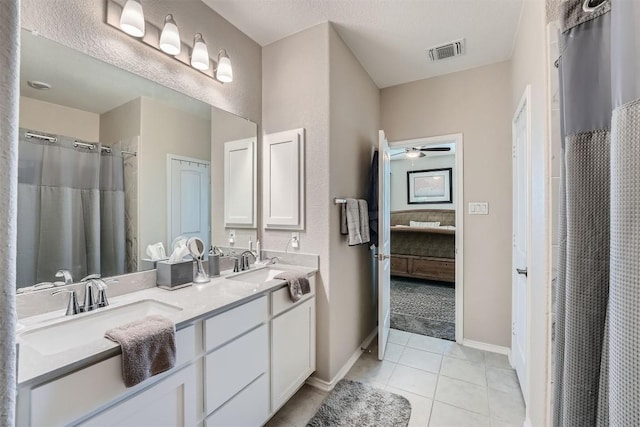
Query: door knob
[(522, 271), (382, 257)]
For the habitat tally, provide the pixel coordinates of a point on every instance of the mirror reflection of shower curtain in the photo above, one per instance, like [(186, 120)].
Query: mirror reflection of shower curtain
[(112, 228), (59, 205)]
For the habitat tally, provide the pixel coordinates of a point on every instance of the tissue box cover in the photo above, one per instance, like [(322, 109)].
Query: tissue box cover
[(174, 276)]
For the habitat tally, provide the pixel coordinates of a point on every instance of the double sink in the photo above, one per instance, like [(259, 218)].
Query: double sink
[(78, 330)]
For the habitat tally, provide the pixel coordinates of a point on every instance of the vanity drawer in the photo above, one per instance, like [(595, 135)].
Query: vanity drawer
[(250, 407), (281, 298), (234, 366), (230, 324), (73, 396)]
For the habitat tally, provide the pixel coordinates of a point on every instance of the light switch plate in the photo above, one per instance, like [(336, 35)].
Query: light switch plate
[(478, 208), (295, 240), (232, 237)]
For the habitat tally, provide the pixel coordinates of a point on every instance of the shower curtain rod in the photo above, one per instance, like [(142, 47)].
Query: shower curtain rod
[(76, 144)]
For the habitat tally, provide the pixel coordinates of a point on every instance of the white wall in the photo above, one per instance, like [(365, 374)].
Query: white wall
[(399, 169), (529, 66), (79, 24), (476, 103), (59, 120)]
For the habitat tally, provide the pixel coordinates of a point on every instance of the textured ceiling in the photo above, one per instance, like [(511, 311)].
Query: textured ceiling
[(390, 38)]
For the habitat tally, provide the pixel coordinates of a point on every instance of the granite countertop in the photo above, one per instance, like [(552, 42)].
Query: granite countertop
[(195, 302)]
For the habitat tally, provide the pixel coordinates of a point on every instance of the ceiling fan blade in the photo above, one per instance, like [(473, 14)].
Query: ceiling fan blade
[(435, 149)]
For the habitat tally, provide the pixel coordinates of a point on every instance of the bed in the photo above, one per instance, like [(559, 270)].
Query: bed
[(423, 244)]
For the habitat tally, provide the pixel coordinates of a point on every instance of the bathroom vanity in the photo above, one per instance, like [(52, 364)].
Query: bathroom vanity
[(243, 349)]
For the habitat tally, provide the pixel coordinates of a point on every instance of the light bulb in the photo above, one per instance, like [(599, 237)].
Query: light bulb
[(170, 37), (413, 154), (224, 72), (132, 18), (200, 54)]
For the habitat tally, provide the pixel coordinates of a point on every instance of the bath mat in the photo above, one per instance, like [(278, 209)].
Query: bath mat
[(355, 404)]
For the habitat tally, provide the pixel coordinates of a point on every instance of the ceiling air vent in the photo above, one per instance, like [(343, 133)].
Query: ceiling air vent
[(448, 50)]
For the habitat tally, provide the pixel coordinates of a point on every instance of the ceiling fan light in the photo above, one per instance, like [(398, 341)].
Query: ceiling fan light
[(412, 153)]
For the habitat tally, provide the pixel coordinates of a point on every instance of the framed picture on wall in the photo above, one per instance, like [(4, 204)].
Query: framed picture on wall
[(430, 186)]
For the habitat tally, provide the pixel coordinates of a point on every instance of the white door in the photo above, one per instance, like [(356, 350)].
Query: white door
[(521, 182), (188, 199), (384, 244)]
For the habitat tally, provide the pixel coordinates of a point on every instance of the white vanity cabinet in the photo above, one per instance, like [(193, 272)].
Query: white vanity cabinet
[(293, 343), (234, 368)]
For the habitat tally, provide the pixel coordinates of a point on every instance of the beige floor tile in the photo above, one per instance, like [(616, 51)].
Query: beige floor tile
[(506, 406), (463, 370), (466, 353), (497, 360), (278, 421), (503, 380), (393, 352), (443, 415), (413, 380), (399, 337), (434, 345), (302, 406), (420, 359), (420, 407), (500, 423), (368, 369), (463, 395)]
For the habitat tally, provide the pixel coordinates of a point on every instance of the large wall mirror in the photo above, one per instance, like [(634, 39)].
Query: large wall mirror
[(110, 163)]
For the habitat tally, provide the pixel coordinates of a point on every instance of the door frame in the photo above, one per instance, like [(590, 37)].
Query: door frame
[(524, 104), (170, 158), (457, 139)]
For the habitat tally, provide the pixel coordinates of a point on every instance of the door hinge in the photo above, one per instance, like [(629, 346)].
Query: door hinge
[(513, 328)]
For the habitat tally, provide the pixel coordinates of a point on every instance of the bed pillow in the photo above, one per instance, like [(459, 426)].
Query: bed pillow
[(424, 224)]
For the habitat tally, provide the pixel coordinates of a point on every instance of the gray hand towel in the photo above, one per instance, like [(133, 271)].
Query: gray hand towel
[(364, 220), (351, 219), (298, 283), (148, 347)]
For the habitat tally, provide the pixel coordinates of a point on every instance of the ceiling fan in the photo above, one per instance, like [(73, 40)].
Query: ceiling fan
[(416, 152)]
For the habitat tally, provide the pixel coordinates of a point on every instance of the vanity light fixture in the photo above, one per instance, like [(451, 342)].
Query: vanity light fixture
[(200, 54), (224, 72), (132, 19), (170, 38)]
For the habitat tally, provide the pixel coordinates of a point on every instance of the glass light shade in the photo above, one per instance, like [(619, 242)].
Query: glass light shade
[(200, 54), (170, 37), (414, 154), (224, 72), (132, 19)]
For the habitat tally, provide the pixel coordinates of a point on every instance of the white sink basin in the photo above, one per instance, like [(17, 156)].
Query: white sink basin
[(259, 275), (82, 329)]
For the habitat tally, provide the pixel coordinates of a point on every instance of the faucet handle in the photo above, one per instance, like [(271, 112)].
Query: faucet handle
[(89, 277), (72, 305), (102, 292)]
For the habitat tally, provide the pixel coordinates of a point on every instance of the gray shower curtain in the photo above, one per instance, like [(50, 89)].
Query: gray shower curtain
[(597, 334), (71, 205)]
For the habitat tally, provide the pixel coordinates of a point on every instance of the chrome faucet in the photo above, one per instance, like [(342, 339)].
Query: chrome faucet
[(244, 260), (67, 276), (90, 302), (72, 305)]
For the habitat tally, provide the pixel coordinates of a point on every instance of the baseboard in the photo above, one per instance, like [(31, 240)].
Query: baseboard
[(327, 386), (487, 347)]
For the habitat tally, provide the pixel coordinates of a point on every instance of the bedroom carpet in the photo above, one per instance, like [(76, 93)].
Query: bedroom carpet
[(423, 307)]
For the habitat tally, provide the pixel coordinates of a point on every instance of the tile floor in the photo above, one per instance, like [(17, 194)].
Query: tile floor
[(447, 384)]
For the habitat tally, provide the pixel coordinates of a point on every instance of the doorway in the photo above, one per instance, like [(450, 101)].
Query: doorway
[(426, 206)]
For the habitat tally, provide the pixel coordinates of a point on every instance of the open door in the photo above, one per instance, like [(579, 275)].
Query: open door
[(384, 244), (520, 280)]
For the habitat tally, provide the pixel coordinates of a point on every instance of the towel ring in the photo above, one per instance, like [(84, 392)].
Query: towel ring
[(586, 6)]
